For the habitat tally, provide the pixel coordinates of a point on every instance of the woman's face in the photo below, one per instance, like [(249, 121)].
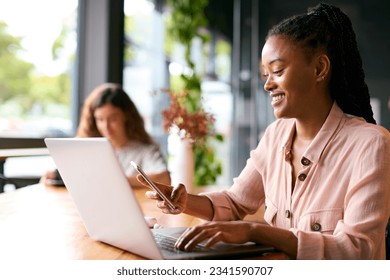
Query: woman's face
[(110, 121), (290, 77)]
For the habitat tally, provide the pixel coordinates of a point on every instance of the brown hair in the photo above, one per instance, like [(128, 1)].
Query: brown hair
[(113, 94)]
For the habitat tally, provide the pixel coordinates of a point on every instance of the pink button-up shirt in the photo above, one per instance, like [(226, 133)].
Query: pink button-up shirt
[(341, 200)]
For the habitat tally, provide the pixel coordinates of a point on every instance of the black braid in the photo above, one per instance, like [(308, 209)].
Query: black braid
[(326, 26)]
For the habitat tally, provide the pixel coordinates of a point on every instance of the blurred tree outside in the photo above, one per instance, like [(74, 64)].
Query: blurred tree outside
[(27, 94), (15, 73)]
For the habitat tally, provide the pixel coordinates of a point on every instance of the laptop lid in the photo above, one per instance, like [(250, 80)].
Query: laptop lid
[(102, 194), (109, 208)]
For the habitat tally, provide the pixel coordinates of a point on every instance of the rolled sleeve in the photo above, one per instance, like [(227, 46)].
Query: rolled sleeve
[(243, 198), (222, 205), (310, 245)]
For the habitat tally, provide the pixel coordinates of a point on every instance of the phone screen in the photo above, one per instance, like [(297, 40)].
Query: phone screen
[(55, 182), (151, 184)]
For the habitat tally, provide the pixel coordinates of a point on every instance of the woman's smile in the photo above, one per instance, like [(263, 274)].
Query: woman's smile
[(277, 99)]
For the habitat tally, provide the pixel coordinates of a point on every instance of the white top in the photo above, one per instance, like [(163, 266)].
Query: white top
[(148, 156)]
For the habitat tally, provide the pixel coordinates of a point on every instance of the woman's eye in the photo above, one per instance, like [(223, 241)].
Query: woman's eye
[(278, 72)]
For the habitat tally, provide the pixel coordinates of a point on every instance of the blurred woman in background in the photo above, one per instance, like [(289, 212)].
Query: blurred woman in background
[(109, 112)]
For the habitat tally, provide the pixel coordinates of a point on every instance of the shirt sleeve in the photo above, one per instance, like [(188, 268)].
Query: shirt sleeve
[(149, 157), (153, 160), (244, 197)]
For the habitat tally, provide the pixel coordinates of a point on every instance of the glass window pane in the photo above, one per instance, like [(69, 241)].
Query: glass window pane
[(145, 69), (154, 61), (38, 45)]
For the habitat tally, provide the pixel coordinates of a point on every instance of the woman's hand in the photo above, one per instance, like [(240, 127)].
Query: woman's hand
[(49, 175), (177, 195), (239, 232), (229, 232)]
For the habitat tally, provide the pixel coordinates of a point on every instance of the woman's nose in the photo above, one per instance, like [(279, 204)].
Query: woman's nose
[(105, 124), (269, 85)]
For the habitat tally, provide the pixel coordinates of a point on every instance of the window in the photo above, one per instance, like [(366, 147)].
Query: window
[(38, 45), (145, 69), (153, 61)]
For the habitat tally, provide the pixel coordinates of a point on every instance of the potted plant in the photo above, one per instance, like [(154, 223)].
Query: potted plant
[(186, 112)]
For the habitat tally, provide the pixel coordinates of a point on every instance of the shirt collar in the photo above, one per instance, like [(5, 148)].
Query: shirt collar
[(331, 125)]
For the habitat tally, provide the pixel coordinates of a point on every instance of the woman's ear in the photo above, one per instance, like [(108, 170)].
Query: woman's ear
[(322, 67)]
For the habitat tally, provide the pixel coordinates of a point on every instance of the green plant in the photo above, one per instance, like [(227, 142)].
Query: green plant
[(188, 22)]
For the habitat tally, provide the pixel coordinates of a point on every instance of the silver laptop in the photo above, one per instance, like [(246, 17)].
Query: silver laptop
[(110, 210)]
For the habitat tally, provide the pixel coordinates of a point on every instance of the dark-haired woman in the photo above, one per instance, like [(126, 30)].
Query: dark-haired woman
[(109, 112), (322, 169)]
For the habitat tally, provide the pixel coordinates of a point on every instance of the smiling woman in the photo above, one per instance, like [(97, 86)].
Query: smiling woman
[(291, 78), (322, 168), (36, 85)]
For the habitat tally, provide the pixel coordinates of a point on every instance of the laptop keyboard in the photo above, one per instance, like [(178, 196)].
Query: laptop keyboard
[(168, 243)]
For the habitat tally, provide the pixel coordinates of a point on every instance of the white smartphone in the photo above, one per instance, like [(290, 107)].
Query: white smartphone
[(154, 187)]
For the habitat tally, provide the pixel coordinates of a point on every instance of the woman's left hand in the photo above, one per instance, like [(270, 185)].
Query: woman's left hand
[(230, 232)]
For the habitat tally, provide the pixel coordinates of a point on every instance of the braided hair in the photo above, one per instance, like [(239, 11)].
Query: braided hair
[(327, 27)]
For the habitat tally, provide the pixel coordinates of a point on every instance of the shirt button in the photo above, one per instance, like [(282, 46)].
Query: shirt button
[(302, 177), (305, 161), (287, 155), (287, 214), (316, 227)]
